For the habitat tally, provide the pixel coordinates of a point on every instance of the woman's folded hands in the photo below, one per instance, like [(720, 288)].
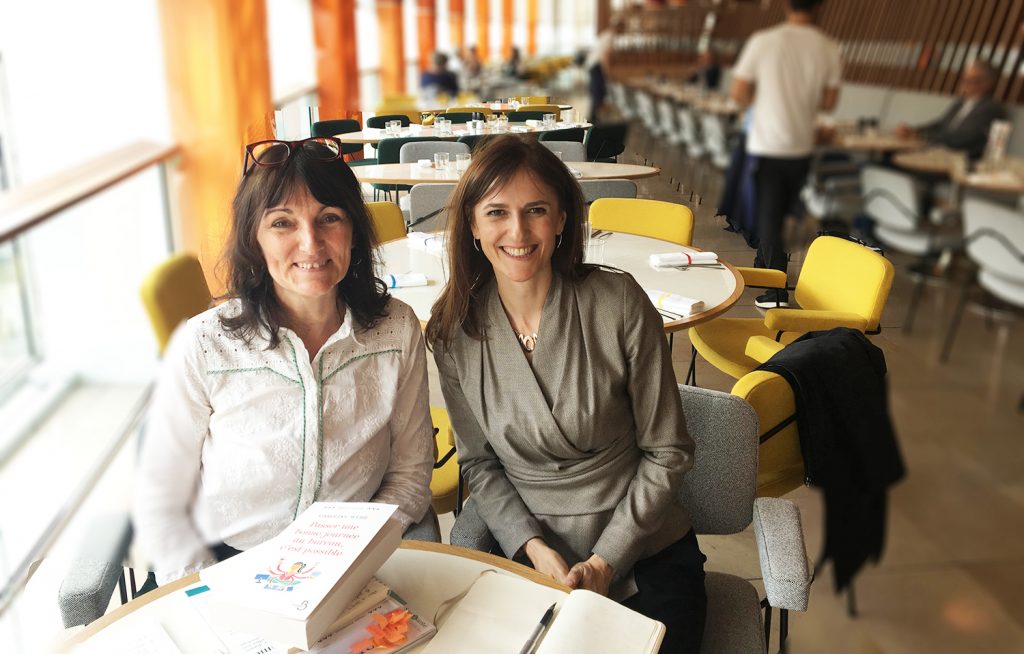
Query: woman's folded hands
[(594, 574)]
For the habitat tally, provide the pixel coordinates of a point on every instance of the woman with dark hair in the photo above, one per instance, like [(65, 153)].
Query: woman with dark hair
[(309, 383), (560, 388)]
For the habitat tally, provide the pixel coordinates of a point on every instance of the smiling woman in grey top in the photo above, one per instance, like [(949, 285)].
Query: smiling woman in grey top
[(560, 387)]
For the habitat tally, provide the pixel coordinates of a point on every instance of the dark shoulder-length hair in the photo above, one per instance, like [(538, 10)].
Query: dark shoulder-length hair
[(332, 184), (495, 162)]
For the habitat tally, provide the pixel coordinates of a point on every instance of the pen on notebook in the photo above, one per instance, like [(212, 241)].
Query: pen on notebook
[(538, 630)]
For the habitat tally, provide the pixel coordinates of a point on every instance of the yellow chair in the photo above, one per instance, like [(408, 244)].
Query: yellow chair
[(486, 111), (445, 482), (546, 108), (173, 292), (780, 463), (415, 116), (841, 284), (388, 221), (652, 218)]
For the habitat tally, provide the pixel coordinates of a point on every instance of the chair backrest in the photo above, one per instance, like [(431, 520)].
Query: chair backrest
[(780, 466), (840, 275), (428, 206), (389, 151), (543, 108), (460, 117), (604, 141), (486, 111), (173, 292), (339, 126), (388, 221), (381, 121), (653, 218), (995, 241), (410, 113), (607, 188), (571, 150), (891, 198), (535, 99), (719, 489), (413, 152), (523, 116), (567, 134)]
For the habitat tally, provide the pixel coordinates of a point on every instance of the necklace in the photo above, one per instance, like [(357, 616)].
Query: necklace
[(528, 341)]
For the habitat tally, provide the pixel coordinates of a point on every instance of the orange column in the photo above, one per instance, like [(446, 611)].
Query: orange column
[(334, 33), (426, 25), (531, 27), (218, 74), (506, 28), (392, 49), (483, 27), (456, 24)]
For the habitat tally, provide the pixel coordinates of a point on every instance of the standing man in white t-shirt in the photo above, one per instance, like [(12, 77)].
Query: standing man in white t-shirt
[(789, 73)]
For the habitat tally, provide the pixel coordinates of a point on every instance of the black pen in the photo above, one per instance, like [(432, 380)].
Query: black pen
[(538, 630)]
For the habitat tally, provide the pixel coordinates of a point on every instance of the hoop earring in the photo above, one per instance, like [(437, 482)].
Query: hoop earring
[(476, 244), (559, 243)]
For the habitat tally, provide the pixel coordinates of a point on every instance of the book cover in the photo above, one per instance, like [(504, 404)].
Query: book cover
[(292, 588)]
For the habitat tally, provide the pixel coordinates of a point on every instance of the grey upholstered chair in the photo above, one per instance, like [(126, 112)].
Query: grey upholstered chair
[(720, 494), (571, 150), (428, 207), (413, 152), (607, 188)]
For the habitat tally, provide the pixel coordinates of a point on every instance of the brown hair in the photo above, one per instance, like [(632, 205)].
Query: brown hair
[(495, 162), (332, 184)]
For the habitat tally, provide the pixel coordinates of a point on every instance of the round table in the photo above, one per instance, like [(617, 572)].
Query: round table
[(876, 143), (930, 161), (375, 135), (719, 288), (423, 574), (1008, 179), (410, 173)]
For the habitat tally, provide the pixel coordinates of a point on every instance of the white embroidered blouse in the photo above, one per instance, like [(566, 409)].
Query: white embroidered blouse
[(240, 439)]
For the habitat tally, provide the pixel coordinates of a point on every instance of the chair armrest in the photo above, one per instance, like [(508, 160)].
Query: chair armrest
[(783, 554), (428, 529), (809, 320), (98, 563), (471, 531), (762, 348), (763, 277)]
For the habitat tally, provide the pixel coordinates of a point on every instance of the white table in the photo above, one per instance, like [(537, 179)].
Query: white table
[(423, 574), (719, 288), (376, 135), (410, 173)]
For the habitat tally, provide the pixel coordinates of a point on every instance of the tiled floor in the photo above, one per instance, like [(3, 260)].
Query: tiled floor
[(952, 572)]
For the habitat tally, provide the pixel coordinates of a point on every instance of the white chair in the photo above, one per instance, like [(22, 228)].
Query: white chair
[(428, 207), (715, 139), (689, 132), (994, 241), (667, 118), (594, 189), (645, 110), (893, 201), (620, 98), (571, 150)]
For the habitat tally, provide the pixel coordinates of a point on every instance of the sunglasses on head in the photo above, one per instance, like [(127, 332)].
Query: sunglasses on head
[(275, 153)]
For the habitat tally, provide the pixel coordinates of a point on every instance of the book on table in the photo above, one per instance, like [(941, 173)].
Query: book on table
[(499, 613), (293, 588)]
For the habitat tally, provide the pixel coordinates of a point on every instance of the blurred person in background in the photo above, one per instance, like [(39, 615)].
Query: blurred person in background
[(438, 79), (965, 125), (309, 383), (598, 65), (706, 72), (788, 73)]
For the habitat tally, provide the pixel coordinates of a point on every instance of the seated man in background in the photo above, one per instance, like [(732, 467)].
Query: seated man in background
[(438, 79), (965, 124)]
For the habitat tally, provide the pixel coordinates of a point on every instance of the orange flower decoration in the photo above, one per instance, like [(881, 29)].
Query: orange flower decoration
[(387, 630)]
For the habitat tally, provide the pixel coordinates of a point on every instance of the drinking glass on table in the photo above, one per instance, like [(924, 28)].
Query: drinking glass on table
[(548, 121), (441, 160), (462, 162)]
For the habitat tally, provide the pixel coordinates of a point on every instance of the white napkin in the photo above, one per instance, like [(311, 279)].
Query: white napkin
[(495, 105), (405, 280), (532, 123), (673, 303), (575, 173), (519, 130), (432, 243), (424, 163), (670, 259)]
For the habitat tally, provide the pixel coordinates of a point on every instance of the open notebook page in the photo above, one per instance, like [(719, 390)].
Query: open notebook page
[(588, 622)]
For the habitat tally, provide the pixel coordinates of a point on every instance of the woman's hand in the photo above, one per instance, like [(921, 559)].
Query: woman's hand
[(546, 560), (593, 574)]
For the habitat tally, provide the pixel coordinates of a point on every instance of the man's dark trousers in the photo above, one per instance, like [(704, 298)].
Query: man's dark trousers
[(778, 183)]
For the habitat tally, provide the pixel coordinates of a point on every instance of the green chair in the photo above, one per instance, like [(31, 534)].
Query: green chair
[(343, 126), (606, 142), (569, 134), (472, 140), (523, 116), (462, 117)]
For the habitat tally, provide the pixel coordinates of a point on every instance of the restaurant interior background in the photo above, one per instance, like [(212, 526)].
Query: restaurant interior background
[(121, 127)]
